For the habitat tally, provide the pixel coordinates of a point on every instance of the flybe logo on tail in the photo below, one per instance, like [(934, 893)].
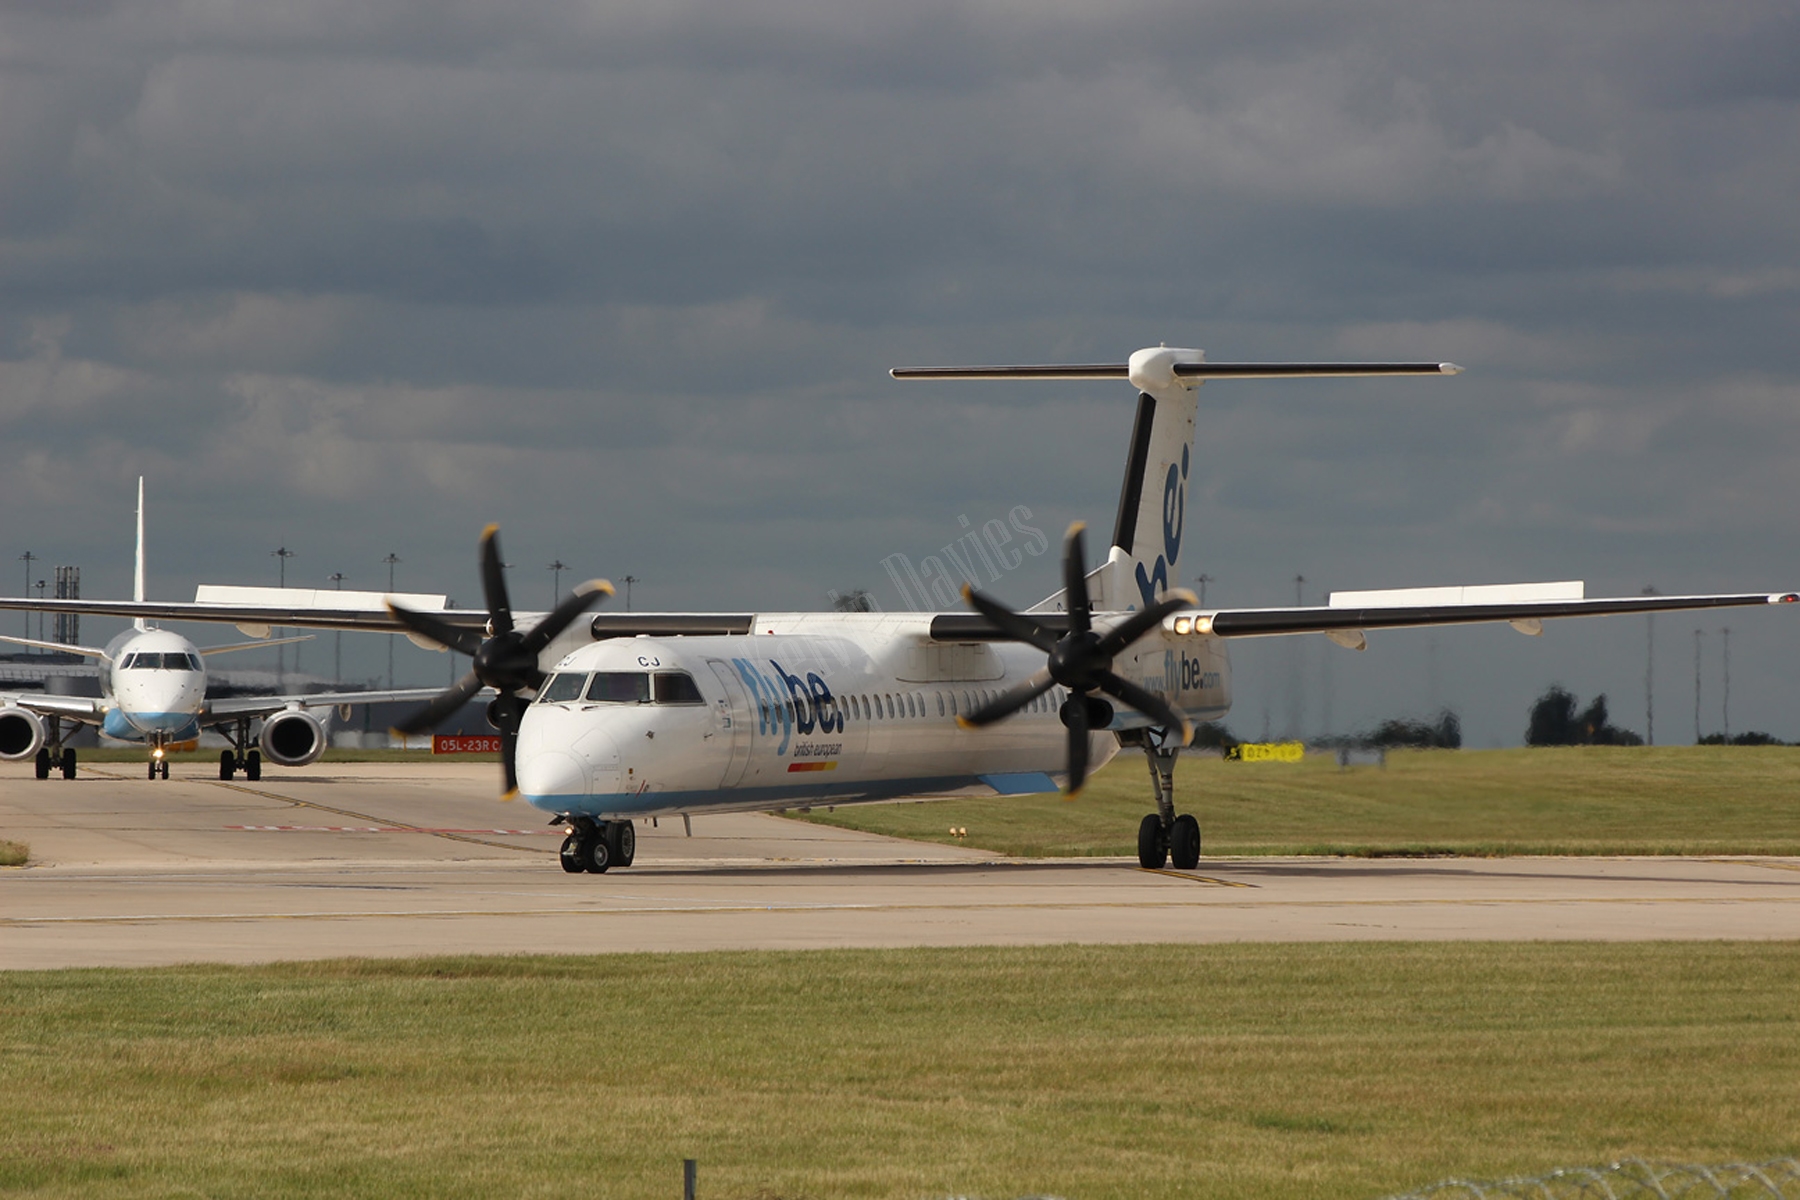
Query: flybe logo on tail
[(1155, 582)]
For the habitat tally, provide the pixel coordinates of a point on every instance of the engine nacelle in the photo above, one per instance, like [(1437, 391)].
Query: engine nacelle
[(292, 738), (21, 734)]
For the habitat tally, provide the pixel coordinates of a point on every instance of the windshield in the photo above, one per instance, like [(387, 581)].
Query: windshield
[(562, 688), (154, 660), (620, 687)]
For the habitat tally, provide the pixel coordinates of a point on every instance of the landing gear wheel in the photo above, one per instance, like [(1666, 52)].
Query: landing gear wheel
[(1153, 844), (621, 839), (253, 766), (68, 762), (165, 768), (151, 772), (227, 764), (43, 763), (571, 855), (1184, 842), (598, 856)]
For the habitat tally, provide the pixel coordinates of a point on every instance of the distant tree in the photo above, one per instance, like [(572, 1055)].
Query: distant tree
[(1212, 735), (1743, 739), (1403, 733), (1554, 722), (855, 600)]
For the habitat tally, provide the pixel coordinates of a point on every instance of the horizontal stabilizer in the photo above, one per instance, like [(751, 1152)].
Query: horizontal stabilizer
[(1185, 370)]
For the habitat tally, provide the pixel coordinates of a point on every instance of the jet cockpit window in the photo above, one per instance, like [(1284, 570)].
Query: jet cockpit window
[(562, 687), (676, 687), (157, 660), (620, 687)]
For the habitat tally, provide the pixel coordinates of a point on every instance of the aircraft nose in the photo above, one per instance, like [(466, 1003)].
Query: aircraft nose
[(549, 779)]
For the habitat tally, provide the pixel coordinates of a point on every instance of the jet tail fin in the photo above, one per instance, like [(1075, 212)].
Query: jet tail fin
[(137, 576)]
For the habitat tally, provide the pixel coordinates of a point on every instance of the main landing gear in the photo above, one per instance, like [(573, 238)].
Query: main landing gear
[(49, 760), (1163, 837), (53, 755), (598, 846), (242, 757)]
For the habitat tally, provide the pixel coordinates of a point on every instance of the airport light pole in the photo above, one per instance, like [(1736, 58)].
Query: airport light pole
[(1650, 674), (337, 651), (629, 580), (556, 569), (28, 558), (282, 554), (391, 560), (1725, 711), (1203, 580), (1697, 636)]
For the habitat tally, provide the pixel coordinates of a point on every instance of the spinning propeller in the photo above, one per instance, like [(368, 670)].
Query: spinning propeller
[(505, 660), (1081, 661)]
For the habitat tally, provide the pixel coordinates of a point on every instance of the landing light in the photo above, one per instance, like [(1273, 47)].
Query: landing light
[(157, 753), (1184, 625)]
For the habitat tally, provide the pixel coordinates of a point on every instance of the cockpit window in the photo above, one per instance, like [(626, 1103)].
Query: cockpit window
[(156, 660), (562, 687), (620, 687), (676, 687)]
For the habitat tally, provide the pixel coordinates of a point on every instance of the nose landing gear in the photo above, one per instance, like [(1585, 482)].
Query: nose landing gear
[(598, 846)]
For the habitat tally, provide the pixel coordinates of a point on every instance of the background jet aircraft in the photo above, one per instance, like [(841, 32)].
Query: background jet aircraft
[(154, 692), (625, 716)]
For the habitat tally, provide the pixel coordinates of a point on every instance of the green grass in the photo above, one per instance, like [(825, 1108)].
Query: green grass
[(1571, 800), (14, 854), (1352, 1070)]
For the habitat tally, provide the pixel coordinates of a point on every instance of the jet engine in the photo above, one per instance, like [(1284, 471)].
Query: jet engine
[(21, 734), (292, 738)]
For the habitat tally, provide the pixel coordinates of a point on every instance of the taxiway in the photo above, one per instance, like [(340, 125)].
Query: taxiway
[(401, 859)]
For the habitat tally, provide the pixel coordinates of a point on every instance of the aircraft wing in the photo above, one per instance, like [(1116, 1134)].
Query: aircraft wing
[(249, 616), (79, 708), (259, 706), (1349, 614)]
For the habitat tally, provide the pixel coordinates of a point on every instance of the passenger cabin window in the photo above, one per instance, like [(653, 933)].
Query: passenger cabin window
[(676, 687), (562, 688), (621, 687)]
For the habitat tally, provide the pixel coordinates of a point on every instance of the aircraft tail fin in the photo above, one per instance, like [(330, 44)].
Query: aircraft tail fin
[(1144, 561), (137, 576)]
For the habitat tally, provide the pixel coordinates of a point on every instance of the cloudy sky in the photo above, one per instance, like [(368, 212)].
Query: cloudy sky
[(358, 276)]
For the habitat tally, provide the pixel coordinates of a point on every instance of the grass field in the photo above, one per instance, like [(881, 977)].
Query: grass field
[(1352, 1070), (14, 854), (1569, 800)]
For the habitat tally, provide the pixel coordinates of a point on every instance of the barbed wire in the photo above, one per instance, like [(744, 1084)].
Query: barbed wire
[(1633, 1179)]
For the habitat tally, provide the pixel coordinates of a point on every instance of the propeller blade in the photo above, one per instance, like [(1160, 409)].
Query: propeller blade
[(1148, 703), (508, 709), (1021, 627), (493, 583), (441, 705), (1008, 702), (463, 641), (1075, 716), (1138, 624), (1075, 593), (564, 614)]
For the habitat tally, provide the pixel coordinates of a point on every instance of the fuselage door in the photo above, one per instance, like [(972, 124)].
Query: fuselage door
[(732, 721)]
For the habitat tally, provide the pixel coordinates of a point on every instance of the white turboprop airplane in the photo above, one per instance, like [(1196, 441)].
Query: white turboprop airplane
[(154, 692), (630, 716)]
